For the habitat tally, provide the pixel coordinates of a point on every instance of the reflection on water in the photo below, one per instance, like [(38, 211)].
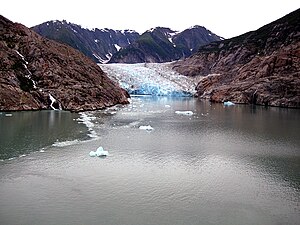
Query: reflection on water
[(221, 165), (25, 132)]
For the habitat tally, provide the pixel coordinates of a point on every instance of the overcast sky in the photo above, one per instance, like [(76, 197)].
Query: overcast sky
[(227, 18)]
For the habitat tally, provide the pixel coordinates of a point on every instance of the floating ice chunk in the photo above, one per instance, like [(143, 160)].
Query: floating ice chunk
[(148, 128), (186, 113), (167, 106), (100, 152), (92, 153), (8, 114), (228, 103), (65, 143)]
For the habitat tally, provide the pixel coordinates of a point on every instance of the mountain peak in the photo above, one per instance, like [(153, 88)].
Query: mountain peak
[(102, 44)]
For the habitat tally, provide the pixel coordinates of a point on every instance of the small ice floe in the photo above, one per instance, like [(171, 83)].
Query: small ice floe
[(148, 128), (65, 143), (186, 113), (8, 114), (100, 152), (167, 106), (228, 103)]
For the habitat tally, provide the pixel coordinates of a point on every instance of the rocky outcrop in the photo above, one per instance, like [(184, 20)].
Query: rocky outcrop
[(97, 44), (36, 73), (164, 45), (259, 67)]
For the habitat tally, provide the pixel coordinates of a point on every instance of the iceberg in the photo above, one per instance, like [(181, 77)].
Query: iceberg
[(228, 103), (148, 128), (155, 79), (186, 113), (99, 152)]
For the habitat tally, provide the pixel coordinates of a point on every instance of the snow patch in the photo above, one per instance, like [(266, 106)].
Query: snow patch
[(117, 47), (23, 58), (25, 66), (100, 59), (108, 55), (170, 40), (74, 30), (53, 100)]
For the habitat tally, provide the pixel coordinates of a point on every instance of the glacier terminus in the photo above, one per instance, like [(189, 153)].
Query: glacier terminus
[(156, 79)]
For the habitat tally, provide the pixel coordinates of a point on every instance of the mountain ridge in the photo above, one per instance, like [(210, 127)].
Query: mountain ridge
[(97, 44), (37, 73), (258, 67), (161, 44), (108, 45)]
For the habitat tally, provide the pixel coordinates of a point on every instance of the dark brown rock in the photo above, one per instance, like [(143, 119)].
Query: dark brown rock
[(260, 67), (34, 68)]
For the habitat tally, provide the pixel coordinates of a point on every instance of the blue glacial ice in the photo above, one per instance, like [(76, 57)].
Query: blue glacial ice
[(228, 103), (150, 79)]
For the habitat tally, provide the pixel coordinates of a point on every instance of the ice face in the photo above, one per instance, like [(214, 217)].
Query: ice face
[(150, 79)]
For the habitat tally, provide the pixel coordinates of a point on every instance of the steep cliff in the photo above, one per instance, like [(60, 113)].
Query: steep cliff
[(36, 73), (259, 67)]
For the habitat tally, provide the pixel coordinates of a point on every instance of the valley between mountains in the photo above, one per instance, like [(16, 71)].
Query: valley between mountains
[(54, 65)]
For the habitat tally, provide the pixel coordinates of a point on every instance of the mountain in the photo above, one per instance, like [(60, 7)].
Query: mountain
[(97, 44), (259, 67), (163, 45), (127, 46), (36, 73)]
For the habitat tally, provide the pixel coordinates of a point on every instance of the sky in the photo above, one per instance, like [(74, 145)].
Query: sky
[(226, 18)]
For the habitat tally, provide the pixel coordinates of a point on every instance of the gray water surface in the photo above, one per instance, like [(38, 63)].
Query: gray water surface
[(221, 165)]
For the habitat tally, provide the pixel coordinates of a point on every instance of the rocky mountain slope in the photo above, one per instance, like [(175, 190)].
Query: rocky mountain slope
[(36, 73), (259, 67), (97, 44), (163, 45)]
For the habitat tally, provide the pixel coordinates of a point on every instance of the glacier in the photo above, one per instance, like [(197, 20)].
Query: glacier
[(156, 79)]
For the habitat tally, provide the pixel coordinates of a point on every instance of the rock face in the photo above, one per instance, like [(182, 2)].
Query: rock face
[(164, 45), (259, 67), (97, 44), (36, 73)]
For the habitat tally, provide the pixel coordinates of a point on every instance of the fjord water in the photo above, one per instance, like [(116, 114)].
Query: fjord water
[(221, 165)]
